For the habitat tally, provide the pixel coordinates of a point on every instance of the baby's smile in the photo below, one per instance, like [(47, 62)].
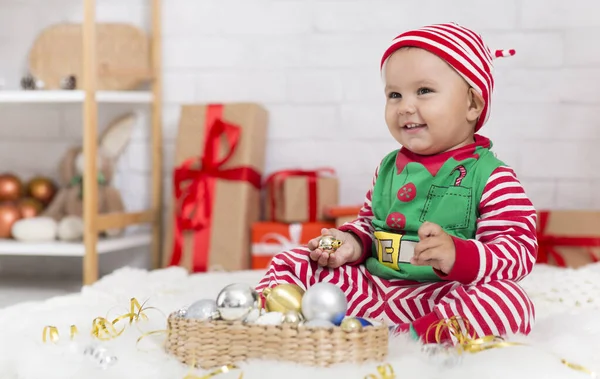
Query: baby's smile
[(413, 127)]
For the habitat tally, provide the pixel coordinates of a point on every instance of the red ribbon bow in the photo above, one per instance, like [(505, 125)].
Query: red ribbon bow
[(275, 181), (194, 182), (547, 243)]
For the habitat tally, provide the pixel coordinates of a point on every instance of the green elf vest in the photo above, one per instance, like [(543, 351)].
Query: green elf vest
[(410, 189)]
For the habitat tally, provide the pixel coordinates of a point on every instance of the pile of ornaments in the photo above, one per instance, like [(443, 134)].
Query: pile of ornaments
[(321, 305)]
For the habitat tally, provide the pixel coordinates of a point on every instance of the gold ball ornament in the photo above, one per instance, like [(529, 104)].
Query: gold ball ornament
[(42, 189), (283, 297), (351, 325), (329, 244)]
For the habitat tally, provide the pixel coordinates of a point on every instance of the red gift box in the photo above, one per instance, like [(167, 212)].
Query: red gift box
[(270, 238)]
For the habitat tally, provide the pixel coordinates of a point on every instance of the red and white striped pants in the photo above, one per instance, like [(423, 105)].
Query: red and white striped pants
[(495, 308)]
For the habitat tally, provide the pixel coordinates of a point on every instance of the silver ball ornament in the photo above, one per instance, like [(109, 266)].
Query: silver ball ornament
[(236, 301), (442, 356), (181, 313), (324, 301), (203, 310), (100, 355)]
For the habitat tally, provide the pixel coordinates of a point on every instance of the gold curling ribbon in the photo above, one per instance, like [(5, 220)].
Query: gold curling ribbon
[(105, 330), (134, 314), (74, 332), (577, 367), (221, 370), (51, 333), (467, 342), (102, 328), (151, 333), (385, 371), (466, 336)]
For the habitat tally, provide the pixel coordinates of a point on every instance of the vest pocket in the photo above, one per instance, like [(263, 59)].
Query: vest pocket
[(449, 207)]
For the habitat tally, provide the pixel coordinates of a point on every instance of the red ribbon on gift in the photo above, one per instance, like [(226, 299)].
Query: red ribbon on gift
[(194, 184), (547, 243), (276, 179)]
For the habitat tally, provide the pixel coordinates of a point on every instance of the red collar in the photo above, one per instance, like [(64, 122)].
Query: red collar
[(433, 163)]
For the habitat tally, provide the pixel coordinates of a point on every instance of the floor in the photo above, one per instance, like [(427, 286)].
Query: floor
[(33, 278), (24, 289)]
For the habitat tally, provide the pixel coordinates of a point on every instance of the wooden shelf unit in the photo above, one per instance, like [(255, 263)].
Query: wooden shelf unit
[(89, 97), (76, 96), (94, 223), (72, 249)]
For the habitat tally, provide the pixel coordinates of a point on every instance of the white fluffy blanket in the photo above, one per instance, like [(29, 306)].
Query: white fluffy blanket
[(568, 327)]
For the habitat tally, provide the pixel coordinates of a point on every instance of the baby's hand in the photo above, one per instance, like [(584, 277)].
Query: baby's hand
[(435, 248), (349, 251)]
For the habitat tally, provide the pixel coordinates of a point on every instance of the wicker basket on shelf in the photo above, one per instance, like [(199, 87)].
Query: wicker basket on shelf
[(217, 343)]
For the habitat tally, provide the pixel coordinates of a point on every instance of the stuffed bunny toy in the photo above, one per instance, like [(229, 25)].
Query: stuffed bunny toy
[(62, 219)]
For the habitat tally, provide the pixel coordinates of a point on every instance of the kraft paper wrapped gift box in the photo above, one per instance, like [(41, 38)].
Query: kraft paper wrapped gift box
[(219, 160), (568, 238), (300, 195), (270, 238)]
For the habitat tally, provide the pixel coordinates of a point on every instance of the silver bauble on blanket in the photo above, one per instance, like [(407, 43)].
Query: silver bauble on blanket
[(100, 355), (324, 301), (441, 355), (203, 310), (235, 301)]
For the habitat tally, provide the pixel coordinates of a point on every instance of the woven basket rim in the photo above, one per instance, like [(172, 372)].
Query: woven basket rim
[(220, 322)]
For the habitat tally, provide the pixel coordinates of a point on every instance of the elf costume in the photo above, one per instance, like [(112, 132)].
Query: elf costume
[(472, 195), (444, 189)]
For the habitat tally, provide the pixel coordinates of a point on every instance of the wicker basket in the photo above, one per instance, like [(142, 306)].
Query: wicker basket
[(123, 56), (217, 343)]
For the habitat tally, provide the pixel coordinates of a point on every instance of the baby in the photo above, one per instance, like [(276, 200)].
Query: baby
[(446, 229)]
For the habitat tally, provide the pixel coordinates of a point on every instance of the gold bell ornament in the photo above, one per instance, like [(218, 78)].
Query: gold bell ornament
[(293, 318), (283, 298), (329, 244), (351, 324)]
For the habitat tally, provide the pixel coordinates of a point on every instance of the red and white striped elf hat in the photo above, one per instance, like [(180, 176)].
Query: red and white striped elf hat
[(463, 49)]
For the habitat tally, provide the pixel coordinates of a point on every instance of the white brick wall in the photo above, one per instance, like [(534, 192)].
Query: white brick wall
[(314, 64)]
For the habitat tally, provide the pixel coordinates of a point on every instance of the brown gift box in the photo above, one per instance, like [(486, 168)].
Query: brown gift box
[(289, 198), (222, 241), (568, 238)]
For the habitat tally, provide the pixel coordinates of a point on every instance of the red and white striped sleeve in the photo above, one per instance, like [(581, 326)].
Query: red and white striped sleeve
[(362, 226), (505, 246)]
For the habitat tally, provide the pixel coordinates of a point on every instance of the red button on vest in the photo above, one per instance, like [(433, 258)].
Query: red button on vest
[(407, 192), (396, 221)]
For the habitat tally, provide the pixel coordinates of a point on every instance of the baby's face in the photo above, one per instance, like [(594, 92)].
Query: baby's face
[(429, 106)]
